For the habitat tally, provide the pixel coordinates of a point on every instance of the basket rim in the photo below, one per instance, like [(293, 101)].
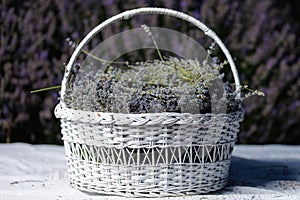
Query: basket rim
[(63, 112)]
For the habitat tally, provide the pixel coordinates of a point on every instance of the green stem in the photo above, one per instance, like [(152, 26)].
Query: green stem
[(103, 60), (157, 49), (45, 89)]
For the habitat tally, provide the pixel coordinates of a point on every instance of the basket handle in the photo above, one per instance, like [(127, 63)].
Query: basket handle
[(149, 10)]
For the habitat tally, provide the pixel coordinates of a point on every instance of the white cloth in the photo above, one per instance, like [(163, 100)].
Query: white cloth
[(257, 172)]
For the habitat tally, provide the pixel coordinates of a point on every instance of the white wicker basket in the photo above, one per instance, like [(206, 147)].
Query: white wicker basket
[(152, 154)]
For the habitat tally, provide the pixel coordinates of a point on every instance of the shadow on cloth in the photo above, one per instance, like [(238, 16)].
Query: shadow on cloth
[(248, 172)]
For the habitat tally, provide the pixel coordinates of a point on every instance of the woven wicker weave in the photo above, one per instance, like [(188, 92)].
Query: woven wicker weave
[(152, 154)]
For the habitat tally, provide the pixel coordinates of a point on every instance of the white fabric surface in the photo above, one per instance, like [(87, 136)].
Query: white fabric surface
[(257, 172)]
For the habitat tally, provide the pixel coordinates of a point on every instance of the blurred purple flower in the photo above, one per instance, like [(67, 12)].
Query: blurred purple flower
[(262, 37)]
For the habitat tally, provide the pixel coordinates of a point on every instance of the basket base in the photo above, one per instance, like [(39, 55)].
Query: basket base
[(148, 181)]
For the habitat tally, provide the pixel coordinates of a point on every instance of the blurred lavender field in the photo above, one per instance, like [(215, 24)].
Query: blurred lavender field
[(263, 36)]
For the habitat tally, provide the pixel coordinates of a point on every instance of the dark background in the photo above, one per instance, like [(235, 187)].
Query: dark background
[(263, 37)]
